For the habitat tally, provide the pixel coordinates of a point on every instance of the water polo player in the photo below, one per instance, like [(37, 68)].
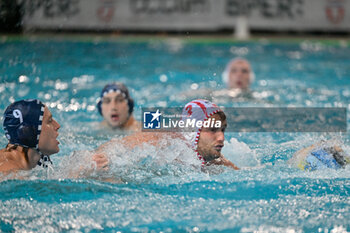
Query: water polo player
[(116, 106), (32, 136), (207, 142), (238, 74)]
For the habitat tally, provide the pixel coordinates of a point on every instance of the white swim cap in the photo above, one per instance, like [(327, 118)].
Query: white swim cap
[(198, 110)]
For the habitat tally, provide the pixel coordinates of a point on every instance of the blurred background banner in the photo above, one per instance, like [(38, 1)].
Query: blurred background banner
[(180, 15)]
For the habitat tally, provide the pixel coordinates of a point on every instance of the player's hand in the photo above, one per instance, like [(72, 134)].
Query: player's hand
[(102, 162)]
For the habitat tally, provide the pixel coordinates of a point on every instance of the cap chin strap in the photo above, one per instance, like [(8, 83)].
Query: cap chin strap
[(201, 158), (44, 160)]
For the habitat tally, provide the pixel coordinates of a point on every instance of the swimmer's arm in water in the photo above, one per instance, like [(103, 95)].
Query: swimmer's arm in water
[(102, 148), (101, 161), (101, 164), (223, 161), (136, 139), (228, 163), (131, 141)]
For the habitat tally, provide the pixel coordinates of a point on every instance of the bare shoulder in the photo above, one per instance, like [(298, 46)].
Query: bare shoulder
[(8, 161), (135, 126)]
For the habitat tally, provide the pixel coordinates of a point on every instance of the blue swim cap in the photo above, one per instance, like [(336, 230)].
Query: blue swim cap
[(116, 87), (22, 122)]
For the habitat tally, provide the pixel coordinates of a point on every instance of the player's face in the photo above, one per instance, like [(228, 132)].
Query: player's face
[(211, 140), (239, 75), (48, 143), (115, 109)]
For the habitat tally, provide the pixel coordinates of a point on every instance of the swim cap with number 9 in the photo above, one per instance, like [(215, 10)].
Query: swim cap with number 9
[(22, 122)]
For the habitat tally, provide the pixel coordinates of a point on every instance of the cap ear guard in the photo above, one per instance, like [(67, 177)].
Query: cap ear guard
[(25, 133), (99, 106)]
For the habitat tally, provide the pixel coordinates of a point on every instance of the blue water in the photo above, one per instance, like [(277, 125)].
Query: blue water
[(154, 193)]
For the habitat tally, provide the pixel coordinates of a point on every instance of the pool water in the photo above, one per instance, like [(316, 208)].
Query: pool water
[(153, 192)]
